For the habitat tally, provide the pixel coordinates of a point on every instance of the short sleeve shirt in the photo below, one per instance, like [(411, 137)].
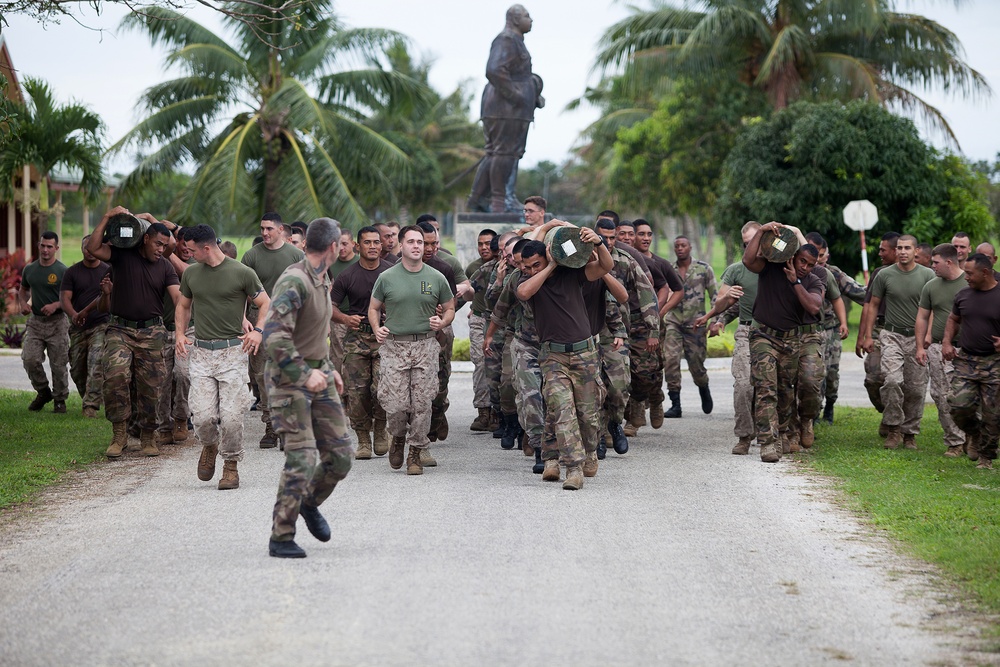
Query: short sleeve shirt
[(738, 274), (560, 311), (139, 285), (938, 296), (354, 287), (220, 293), (900, 290), (980, 313), (777, 305), (269, 264), (44, 283), (84, 283), (411, 298)]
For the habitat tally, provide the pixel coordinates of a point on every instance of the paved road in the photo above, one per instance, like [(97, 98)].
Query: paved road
[(677, 553)]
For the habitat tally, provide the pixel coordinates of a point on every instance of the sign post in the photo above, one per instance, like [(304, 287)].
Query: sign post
[(861, 215)]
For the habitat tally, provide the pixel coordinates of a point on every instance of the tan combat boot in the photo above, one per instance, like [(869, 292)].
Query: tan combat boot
[(397, 453), (656, 415), (742, 447), (954, 451), (770, 453), (893, 439), (806, 435), (482, 422), (589, 465), (230, 476), (910, 441), (119, 440), (426, 460), (206, 462), (164, 438), (380, 439), (364, 445), (551, 472), (574, 479), (180, 432), (494, 421), (147, 442), (413, 466), (972, 447)]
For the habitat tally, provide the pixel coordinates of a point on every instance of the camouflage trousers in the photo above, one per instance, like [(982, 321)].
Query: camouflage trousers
[(133, 357), (361, 379), (508, 402), (693, 344), (832, 349), (528, 390), (975, 389), (440, 404), (493, 369), (808, 388), (480, 386), (874, 376), (86, 363), (318, 451), (646, 372), (742, 385), (337, 334), (407, 387), (774, 367), (616, 375), (47, 335), (572, 388), (905, 383), (941, 373), (219, 398), (257, 362), (172, 402)]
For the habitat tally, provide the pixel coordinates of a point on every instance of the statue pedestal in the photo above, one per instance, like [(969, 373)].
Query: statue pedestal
[(468, 226)]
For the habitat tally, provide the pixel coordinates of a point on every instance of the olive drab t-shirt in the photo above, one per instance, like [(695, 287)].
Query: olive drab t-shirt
[(269, 264), (938, 296), (44, 283), (738, 274), (980, 313), (560, 309), (777, 306), (84, 283), (220, 294), (900, 290), (354, 287), (411, 298), (139, 285)]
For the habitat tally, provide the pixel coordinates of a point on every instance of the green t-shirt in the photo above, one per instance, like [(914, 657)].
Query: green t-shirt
[(269, 264), (168, 303), (900, 291), (739, 274), (220, 293), (44, 283), (411, 298), (479, 298), (938, 296), (456, 265)]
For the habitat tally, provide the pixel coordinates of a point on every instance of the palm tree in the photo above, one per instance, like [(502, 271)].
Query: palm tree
[(790, 49), (50, 135), (270, 124)]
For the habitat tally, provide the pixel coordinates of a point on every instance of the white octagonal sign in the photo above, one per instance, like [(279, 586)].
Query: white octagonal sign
[(860, 215)]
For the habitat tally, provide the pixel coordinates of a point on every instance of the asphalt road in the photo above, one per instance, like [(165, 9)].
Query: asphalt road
[(677, 553)]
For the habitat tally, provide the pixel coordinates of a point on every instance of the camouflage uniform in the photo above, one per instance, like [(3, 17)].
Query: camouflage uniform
[(219, 397), (361, 377), (133, 355), (743, 390), (975, 391), (86, 353), (47, 333), (409, 371), (905, 383), (338, 332), (493, 364), (941, 375), (318, 451), (478, 323), (524, 351), (645, 366), (572, 389), (616, 368), (808, 400), (681, 336), (440, 404), (774, 368), (849, 290)]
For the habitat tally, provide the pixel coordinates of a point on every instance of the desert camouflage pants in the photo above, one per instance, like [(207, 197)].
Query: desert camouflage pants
[(616, 375), (693, 344), (975, 388), (572, 388), (47, 335), (172, 402), (480, 385), (440, 404), (318, 451), (941, 374), (832, 349), (219, 398), (337, 334), (774, 367), (508, 403), (407, 386), (528, 390), (86, 363), (361, 379), (133, 357), (808, 389), (905, 383), (742, 385), (646, 372), (874, 376)]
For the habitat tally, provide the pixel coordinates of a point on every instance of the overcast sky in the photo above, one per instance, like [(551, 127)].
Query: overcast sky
[(95, 63)]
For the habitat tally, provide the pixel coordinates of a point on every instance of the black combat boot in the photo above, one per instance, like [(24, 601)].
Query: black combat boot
[(675, 405), (706, 400), (539, 464), (602, 448), (828, 412), (618, 439), (513, 433), (501, 425)]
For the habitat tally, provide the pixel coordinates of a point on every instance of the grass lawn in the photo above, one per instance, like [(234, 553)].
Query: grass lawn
[(941, 510)]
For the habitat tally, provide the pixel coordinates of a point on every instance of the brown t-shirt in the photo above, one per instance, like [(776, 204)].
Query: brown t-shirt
[(85, 284), (670, 276), (445, 268), (634, 254), (561, 314), (354, 286), (980, 313), (140, 285), (777, 305)]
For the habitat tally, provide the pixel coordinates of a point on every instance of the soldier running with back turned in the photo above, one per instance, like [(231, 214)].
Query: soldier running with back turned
[(80, 295)]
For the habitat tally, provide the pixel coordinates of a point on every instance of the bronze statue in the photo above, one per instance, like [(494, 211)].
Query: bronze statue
[(508, 107)]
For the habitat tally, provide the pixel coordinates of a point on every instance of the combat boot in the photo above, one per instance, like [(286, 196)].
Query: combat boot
[(315, 522), (441, 428), (742, 447), (90, 413), (828, 412), (119, 440), (380, 439), (602, 448), (656, 415), (706, 400), (286, 549), (953, 451), (590, 465), (629, 430), (985, 463), (618, 437), (539, 464), (910, 441), (509, 432), (806, 435), (230, 476), (494, 424), (206, 462), (426, 460), (147, 442), (396, 453), (971, 447), (574, 478), (674, 412), (482, 422), (551, 471), (59, 407), (526, 446), (41, 398), (769, 453), (893, 439), (413, 465), (164, 438), (364, 451), (270, 439), (180, 432)]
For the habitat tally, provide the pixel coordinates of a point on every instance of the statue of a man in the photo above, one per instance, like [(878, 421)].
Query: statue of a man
[(509, 102)]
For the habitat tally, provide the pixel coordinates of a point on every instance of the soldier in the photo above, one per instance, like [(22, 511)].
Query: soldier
[(480, 283), (923, 254), (509, 428), (991, 254), (936, 301), (361, 350), (976, 381), (220, 288), (47, 330), (346, 257), (268, 260), (80, 294), (502, 403), (682, 336), (963, 245), (307, 409), (477, 330), (134, 339), (905, 383), (172, 408), (785, 294), (411, 293), (534, 211), (873, 359), (569, 359), (389, 232)]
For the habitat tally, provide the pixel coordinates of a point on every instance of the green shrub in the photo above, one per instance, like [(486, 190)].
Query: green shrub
[(460, 350), (721, 345)]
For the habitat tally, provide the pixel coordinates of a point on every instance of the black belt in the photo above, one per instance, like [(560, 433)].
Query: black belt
[(904, 331), (366, 327), (171, 327), (774, 333), (579, 346), (219, 344), (746, 323), (412, 337), (136, 324)]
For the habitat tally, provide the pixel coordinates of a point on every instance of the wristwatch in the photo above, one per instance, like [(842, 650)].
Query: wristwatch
[(258, 330), (798, 281)]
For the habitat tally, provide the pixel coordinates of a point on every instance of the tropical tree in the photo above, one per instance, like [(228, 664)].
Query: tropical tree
[(51, 135), (797, 49), (277, 125)]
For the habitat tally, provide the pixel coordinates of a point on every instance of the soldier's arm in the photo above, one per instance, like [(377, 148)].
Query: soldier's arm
[(752, 259), (66, 301), (182, 317), (446, 317), (840, 310), (613, 317), (950, 331), (604, 264), (920, 332), (615, 288), (279, 326), (647, 304), (850, 288), (97, 248), (710, 286)]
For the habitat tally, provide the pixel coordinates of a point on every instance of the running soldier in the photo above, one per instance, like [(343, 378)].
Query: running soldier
[(478, 321), (47, 330), (172, 408), (346, 257), (389, 233), (963, 245), (874, 377), (306, 392), (80, 294)]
